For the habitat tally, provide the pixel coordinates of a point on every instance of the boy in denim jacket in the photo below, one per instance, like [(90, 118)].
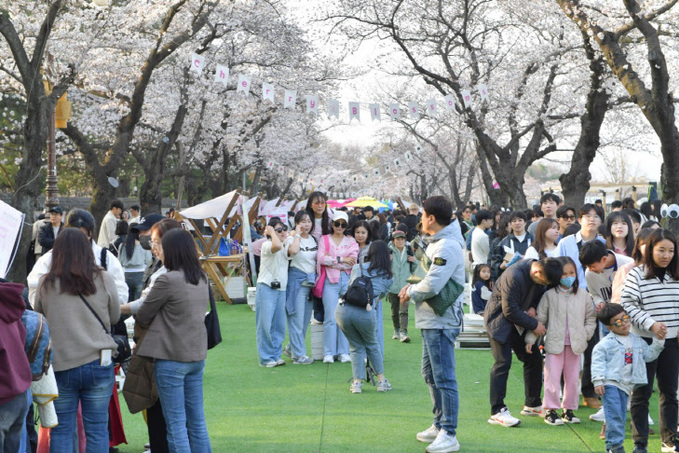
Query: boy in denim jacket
[(618, 366)]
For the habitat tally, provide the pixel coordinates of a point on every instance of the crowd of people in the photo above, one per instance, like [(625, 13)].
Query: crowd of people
[(556, 287)]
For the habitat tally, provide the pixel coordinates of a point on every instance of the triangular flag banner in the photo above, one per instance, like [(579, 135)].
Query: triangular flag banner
[(222, 74), (270, 165), (413, 110), (355, 178), (418, 149), (354, 111), (431, 107), (387, 168), (376, 172), (496, 185), (408, 156), (344, 181), (290, 99), (466, 98), (483, 92), (281, 169), (375, 112), (450, 102), (243, 85), (394, 112), (333, 108), (197, 63), (312, 104), (397, 162), (268, 91)]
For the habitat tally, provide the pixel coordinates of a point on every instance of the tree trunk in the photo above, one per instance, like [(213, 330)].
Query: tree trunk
[(575, 183)]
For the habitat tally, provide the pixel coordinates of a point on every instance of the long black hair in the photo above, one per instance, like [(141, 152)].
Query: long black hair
[(180, 253), (325, 219), (132, 236), (568, 260), (658, 235), (629, 240), (365, 224), (379, 258)]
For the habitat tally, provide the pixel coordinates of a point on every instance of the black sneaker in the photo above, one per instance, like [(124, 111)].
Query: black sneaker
[(552, 418), (569, 417)]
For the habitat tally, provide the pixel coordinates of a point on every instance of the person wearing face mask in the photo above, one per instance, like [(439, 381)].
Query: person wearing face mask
[(568, 314), (151, 230), (301, 278)]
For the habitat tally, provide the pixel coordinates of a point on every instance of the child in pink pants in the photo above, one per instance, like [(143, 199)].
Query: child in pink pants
[(568, 313)]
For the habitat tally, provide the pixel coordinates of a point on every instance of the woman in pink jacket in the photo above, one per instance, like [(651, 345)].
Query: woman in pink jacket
[(336, 256)]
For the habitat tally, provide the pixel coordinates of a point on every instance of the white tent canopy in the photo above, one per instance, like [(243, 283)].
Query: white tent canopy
[(213, 208)]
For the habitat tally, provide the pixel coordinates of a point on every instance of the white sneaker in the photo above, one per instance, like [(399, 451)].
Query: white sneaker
[(345, 358), (428, 435), (328, 359), (598, 416), (532, 411), (444, 443), (650, 420), (667, 448), (504, 418)]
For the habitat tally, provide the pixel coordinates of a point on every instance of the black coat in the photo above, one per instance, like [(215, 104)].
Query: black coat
[(46, 236), (508, 303)]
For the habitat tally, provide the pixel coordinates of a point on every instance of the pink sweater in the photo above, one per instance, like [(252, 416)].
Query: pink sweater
[(619, 281), (328, 258)]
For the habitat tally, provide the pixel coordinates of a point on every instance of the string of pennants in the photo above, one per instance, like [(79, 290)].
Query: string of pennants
[(244, 85), (198, 64)]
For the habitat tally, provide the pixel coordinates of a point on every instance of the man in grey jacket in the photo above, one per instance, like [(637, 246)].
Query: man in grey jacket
[(444, 249)]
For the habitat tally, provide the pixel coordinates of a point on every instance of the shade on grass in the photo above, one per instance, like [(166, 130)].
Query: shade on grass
[(308, 408)]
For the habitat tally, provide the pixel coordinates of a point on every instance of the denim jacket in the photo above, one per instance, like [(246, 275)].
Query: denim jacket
[(608, 359)]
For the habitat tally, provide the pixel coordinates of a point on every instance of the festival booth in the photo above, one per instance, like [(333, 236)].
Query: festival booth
[(223, 259)]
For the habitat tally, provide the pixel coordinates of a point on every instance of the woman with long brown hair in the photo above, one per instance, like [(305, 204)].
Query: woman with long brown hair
[(546, 238), (69, 295)]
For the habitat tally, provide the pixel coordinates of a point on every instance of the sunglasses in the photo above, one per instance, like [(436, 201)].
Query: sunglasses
[(621, 321), (340, 224), (280, 230), (568, 217)]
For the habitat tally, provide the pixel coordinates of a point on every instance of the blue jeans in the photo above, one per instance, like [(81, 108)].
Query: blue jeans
[(438, 370), (615, 411), (334, 341), (13, 421), (358, 324), (91, 385), (270, 322), (24, 445), (135, 282), (180, 389), (299, 321), (379, 325)]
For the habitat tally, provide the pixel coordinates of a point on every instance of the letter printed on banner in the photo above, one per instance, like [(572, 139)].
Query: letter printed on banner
[(394, 112), (466, 98), (290, 99), (408, 156), (397, 162), (197, 63), (450, 102), (243, 85), (222, 74), (268, 91), (376, 172), (387, 169), (375, 112), (333, 108), (354, 111), (418, 149), (483, 91), (431, 107), (312, 104), (414, 112)]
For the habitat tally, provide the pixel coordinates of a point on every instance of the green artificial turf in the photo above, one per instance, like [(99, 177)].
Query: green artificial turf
[(308, 408)]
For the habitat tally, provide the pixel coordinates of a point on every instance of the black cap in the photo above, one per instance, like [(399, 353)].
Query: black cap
[(146, 222), (56, 209)]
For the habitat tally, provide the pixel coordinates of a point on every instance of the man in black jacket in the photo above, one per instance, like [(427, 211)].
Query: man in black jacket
[(510, 312), (48, 232)]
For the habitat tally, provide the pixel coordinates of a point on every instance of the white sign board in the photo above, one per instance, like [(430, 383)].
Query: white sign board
[(11, 226)]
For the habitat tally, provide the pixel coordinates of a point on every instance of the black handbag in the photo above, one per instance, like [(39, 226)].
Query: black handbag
[(122, 342), (214, 332)]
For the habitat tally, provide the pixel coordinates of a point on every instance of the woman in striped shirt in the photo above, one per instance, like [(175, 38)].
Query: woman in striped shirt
[(651, 298)]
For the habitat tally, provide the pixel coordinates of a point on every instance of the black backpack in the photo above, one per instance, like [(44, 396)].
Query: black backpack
[(360, 292)]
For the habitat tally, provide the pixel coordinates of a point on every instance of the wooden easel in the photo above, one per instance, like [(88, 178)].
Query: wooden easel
[(218, 267)]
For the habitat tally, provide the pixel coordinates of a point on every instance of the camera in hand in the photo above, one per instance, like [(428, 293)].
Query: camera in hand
[(275, 284)]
